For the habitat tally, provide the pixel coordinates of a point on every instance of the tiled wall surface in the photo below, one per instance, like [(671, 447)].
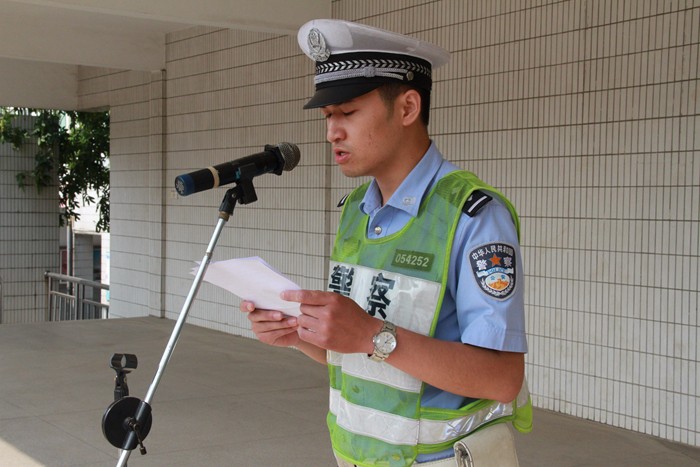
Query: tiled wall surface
[(585, 113), (136, 202), (32, 218), (229, 94)]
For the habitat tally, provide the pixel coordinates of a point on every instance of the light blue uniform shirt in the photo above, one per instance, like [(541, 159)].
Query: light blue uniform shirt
[(468, 314)]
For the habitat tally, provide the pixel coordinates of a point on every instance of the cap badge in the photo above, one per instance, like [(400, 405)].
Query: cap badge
[(317, 46)]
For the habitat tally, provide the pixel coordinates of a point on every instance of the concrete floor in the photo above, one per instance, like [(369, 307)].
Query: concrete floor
[(223, 401)]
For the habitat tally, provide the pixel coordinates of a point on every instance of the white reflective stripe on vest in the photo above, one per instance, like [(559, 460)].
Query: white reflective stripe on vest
[(438, 431), (413, 300), (334, 358), (360, 366), (401, 430), (386, 427)]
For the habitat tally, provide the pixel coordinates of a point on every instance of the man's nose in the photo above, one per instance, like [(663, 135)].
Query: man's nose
[(334, 131)]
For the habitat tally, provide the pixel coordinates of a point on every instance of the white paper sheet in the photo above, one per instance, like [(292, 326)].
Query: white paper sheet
[(254, 280)]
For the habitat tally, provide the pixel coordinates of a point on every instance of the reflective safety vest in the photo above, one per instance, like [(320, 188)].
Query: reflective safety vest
[(375, 416)]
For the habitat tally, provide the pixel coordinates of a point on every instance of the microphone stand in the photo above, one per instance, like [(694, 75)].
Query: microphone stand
[(127, 421)]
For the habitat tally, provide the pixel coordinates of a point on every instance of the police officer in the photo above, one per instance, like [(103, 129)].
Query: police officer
[(422, 325)]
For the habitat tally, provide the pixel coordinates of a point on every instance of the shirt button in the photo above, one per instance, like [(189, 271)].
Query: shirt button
[(377, 230)]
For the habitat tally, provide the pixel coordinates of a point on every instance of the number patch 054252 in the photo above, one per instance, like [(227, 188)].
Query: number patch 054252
[(413, 260)]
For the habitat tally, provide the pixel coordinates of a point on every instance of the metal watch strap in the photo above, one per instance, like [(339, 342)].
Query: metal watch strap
[(378, 356)]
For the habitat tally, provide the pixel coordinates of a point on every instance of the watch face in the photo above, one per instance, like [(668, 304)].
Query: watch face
[(385, 342)]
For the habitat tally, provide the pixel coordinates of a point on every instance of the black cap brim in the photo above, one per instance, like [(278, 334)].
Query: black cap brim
[(337, 94)]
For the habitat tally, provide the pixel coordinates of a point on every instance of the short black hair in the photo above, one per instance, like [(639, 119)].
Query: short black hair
[(390, 91)]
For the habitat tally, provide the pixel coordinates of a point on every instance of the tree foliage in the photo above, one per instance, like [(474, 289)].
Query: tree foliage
[(72, 148)]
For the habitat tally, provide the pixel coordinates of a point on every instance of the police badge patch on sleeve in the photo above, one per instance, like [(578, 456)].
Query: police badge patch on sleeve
[(493, 265)]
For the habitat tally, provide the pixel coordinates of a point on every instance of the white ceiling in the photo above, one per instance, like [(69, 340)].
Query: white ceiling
[(43, 41)]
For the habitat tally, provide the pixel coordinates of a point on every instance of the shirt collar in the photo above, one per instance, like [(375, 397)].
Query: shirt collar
[(410, 193)]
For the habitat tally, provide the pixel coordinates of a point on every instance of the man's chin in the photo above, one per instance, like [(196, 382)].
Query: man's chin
[(348, 171)]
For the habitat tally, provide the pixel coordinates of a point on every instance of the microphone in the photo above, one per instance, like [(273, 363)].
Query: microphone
[(275, 159)]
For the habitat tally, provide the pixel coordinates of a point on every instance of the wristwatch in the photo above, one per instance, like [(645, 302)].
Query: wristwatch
[(384, 342)]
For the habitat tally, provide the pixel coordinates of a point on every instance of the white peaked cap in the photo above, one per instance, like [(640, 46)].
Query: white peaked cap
[(353, 59)]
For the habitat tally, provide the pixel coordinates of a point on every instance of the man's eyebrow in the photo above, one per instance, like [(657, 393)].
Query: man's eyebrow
[(329, 108)]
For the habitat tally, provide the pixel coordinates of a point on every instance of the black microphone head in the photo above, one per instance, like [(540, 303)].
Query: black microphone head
[(290, 154)]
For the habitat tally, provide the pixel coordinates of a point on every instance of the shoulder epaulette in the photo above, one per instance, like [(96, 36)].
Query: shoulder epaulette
[(477, 200), (341, 203)]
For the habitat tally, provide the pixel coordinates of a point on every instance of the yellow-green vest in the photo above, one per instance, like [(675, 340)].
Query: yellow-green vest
[(375, 416)]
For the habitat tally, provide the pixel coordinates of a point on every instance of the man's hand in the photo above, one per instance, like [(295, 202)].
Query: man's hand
[(333, 322), (272, 327)]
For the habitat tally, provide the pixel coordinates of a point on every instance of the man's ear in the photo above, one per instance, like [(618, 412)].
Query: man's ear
[(410, 102)]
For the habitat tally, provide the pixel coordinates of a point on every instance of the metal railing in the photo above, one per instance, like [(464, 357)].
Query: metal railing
[(73, 298)]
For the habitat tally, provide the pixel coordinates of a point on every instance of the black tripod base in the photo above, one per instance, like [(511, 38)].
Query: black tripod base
[(127, 422)]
